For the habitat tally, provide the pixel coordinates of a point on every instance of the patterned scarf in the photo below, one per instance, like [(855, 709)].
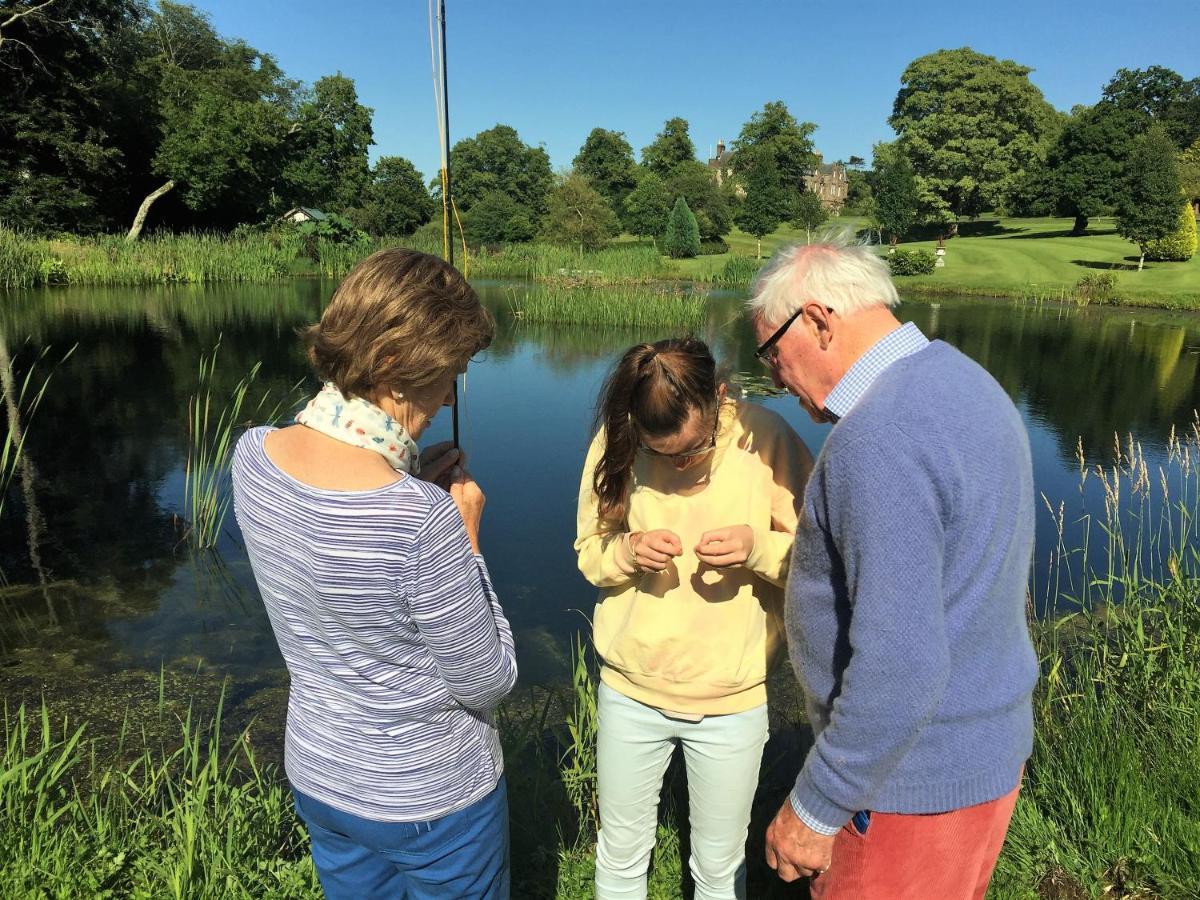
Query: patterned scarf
[(362, 424)]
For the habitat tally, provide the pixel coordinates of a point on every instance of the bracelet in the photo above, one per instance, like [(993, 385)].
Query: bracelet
[(633, 563)]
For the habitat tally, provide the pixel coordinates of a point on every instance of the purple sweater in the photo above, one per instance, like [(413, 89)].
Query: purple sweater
[(906, 601)]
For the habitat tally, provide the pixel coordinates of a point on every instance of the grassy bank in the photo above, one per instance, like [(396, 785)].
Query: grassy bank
[(1022, 258)]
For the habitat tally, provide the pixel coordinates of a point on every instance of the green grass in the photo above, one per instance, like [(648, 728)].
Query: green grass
[(194, 819), (1023, 258)]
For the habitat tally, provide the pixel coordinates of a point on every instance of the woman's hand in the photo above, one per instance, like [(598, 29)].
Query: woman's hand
[(437, 461), (654, 550), (725, 547), (468, 497)]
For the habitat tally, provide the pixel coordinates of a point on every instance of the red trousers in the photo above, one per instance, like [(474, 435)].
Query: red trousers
[(945, 856)]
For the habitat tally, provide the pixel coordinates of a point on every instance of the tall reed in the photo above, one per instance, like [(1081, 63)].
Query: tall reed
[(212, 433), (620, 307)]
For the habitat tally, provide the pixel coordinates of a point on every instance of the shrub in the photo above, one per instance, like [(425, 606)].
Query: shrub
[(1180, 245), (714, 247), (1096, 287), (912, 262), (682, 240)]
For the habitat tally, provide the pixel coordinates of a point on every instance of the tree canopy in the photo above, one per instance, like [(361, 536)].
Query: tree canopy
[(606, 160), (896, 193), (578, 215), (695, 182), (767, 202), (971, 125), (670, 149), (1160, 94), (395, 201), (1148, 209), (498, 161), (645, 210), (774, 129), (1089, 158)]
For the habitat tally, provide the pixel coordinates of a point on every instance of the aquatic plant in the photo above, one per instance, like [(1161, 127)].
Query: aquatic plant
[(212, 433), (619, 307)]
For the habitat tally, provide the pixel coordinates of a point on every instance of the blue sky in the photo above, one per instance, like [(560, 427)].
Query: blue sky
[(555, 70)]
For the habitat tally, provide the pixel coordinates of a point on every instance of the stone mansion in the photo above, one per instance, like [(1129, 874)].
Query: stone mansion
[(827, 180)]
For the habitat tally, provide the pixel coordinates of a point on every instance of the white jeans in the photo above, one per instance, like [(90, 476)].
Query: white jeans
[(722, 753)]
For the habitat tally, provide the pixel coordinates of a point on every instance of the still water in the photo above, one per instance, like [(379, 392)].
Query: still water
[(108, 446)]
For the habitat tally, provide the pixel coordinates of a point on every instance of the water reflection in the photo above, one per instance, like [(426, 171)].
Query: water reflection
[(113, 587)]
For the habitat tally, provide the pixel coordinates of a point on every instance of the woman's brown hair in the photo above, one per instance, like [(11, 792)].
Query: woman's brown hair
[(400, 318), (651, 391)]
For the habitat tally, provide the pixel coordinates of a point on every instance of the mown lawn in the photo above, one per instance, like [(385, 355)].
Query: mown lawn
[(1013, 257)]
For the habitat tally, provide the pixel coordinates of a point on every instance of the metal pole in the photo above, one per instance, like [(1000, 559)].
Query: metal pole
[(448, 199)]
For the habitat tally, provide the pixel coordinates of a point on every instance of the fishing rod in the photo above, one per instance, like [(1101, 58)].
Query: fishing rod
[(447, 195)]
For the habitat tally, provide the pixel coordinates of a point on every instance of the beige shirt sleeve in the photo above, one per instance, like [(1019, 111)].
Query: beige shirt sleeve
[(603, 556), (790, 463)]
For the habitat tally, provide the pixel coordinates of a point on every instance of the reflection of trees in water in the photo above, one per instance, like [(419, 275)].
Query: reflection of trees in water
[(111, 431), (1084, 373)]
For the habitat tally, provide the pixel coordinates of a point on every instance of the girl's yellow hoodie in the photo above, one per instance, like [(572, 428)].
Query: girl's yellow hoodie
[(693, 639)]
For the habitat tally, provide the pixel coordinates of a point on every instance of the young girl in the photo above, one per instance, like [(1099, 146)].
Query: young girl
[(687, 508)]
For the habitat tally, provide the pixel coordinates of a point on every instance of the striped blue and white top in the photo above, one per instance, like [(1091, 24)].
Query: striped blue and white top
[(394, 638)]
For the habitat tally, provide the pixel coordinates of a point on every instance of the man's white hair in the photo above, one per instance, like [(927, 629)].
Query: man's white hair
[(837, 271)]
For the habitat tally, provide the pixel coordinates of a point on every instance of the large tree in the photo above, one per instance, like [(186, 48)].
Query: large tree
[(327, 148), (1189, 174), (774, 129), (497, 160), (496, 218), (223, 116), (670, 149), (645, 210), (696, 183), (578, 215), (682, 240), (1088, 161), (63, 134), (1148, 209), (1160, 94), (896, 192), (767, 201), (396, 200), (606, 160), (971, 125), (808, 212)]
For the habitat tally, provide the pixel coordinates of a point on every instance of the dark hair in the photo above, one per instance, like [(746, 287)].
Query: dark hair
[(651, 391), (400, 318)]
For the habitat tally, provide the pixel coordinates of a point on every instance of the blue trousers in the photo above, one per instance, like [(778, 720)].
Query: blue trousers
[(462, 856)]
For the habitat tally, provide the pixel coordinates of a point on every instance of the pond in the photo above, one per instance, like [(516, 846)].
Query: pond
[(108, 447)]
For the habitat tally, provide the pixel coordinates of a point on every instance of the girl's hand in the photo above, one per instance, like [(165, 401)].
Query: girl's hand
[(725, 547), (654, 550)]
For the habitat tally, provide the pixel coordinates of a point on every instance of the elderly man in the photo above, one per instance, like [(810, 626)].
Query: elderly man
[(906, 598)]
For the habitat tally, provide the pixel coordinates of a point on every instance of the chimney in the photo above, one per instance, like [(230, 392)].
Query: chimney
[(720, 147)]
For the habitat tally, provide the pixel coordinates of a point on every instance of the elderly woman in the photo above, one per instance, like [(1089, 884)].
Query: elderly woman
[(396, 644)]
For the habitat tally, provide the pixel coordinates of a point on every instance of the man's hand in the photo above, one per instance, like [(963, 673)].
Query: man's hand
[(793, 849), (724, 547)]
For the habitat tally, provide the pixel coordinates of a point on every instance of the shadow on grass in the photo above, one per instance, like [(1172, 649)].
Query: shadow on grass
[(1026, 234), (1106, 265)]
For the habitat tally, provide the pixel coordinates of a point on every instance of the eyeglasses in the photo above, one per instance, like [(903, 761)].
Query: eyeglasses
[(763, 353), (689, 454)]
